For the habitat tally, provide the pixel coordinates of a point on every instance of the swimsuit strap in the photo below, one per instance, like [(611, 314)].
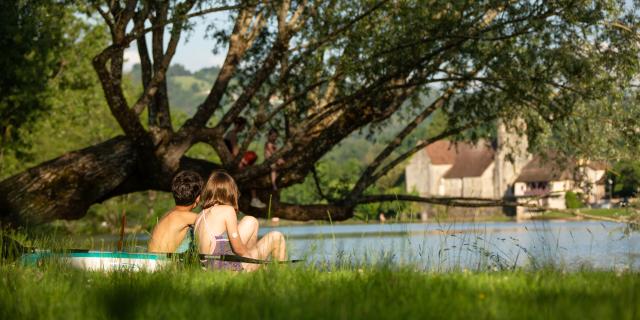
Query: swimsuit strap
[(214, 239), (201, 217)]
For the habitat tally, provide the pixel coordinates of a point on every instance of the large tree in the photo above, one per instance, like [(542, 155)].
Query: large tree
[(321, 70)]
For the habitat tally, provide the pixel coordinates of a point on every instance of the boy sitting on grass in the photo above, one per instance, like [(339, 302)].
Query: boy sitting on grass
[(170, 234)]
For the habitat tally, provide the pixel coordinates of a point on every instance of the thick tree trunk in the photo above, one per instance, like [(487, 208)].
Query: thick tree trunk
[(64, 188)]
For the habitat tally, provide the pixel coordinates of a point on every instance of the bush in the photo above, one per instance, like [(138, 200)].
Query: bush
[(572, 200)]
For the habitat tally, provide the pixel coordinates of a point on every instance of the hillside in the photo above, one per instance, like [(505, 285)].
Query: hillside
[(186, 89)]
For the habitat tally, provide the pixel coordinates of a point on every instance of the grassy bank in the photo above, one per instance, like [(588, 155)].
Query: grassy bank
[(308, 293)]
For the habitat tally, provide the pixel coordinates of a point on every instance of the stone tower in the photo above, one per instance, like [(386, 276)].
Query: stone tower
[(511, 157), (416, 173)]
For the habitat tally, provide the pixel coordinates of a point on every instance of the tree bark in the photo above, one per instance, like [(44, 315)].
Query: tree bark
[(64, 188)]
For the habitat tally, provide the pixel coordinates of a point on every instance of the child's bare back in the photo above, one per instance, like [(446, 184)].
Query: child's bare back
[(171, 231), (173, 226)]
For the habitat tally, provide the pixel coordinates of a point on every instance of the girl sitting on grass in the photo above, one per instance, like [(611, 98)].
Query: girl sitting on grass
[(219, 232)]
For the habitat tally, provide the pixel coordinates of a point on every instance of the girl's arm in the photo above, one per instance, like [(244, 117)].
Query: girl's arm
[(231, 222)]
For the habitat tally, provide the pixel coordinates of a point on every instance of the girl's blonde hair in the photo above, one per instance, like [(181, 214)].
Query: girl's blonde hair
[(220, 189)]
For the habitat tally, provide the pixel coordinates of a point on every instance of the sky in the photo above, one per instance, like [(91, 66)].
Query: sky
[(194, 51)]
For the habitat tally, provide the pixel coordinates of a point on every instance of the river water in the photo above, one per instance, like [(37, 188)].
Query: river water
[(475, 246)]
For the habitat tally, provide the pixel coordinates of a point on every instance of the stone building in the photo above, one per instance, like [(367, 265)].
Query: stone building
[(545, 181), (495, 170), (484, 169)]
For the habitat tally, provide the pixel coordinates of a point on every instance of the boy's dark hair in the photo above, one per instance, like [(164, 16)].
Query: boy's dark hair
[(273, 130), (186, 187)]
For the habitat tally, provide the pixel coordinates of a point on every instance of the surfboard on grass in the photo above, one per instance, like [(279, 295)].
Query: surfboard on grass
[(85, 259), (101, 260), (128, 261)]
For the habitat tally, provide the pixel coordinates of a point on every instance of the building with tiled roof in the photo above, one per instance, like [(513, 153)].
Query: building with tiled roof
[(500, 169), (549, 178), (464, 169)]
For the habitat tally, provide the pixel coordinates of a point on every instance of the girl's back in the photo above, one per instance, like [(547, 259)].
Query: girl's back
[(211, 225)]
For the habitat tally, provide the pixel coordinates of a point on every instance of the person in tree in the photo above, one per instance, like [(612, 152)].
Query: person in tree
[(249, 158), (270, 148), (218, 231), (171, 234), (231, 138)]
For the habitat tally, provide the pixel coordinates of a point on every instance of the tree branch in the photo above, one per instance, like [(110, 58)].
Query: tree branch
[(111, 80), (445, 201), (366, 176), (316, 181), (143, 51), (126, 118), (161, 63), (237, 48), (141, 32), (285, 32), (258, 123), (104, 14), (305, 131)]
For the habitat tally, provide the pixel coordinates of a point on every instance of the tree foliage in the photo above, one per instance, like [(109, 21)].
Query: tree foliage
[(32, 35), (625, 176), (69, 111)]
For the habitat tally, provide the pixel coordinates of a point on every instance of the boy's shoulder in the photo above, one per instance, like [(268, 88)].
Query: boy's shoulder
[(180, 215)]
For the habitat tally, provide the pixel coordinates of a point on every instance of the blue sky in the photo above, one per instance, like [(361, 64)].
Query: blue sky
[(194, 51)]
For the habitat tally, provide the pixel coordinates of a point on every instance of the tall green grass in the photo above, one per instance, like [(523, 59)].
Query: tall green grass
[(375, 287), (56, 291)]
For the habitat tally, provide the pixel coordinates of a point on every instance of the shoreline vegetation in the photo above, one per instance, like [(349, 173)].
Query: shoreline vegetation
[(307, 292)]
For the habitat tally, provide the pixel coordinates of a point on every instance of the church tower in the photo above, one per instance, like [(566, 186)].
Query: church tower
[(511, 157), (416, 173)]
